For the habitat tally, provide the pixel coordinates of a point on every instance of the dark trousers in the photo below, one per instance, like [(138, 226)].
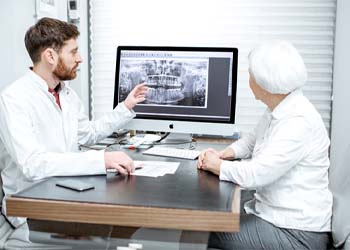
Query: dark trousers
[(256, 233)]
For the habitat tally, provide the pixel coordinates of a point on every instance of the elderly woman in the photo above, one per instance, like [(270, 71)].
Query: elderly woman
[(285, 160)]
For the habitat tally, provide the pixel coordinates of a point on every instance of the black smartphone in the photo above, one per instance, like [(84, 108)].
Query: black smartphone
[(75, 185)]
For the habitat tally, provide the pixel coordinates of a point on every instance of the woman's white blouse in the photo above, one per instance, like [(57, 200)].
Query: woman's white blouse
[(286, 161)]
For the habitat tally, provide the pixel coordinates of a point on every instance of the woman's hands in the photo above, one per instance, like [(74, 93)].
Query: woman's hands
[(211, 159)]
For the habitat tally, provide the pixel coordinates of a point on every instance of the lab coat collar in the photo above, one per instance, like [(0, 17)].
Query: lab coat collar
[(283, 108), (41, 83)]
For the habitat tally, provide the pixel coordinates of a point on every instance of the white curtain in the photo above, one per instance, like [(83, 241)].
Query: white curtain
[(309, 25)]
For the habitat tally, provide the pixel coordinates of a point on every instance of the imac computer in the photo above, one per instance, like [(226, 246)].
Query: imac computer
[(190, 89)]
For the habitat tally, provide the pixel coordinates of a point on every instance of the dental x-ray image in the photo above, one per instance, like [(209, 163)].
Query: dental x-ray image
[(170, 82)]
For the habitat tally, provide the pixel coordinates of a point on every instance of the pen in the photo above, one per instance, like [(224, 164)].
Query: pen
[(137, 167)]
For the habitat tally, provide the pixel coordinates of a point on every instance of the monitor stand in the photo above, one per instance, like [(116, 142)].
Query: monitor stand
[(179, 140)]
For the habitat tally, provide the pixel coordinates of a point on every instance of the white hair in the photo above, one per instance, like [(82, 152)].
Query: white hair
[(277, 67)]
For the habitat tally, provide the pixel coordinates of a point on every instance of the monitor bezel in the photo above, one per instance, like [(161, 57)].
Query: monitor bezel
[(234, 70)]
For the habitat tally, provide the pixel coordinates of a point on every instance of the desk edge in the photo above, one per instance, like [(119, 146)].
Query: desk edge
[(120, 215)]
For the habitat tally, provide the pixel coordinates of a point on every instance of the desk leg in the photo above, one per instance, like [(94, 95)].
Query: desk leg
[(194, 240)]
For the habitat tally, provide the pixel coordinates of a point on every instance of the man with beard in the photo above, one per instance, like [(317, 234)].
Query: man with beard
[(42, 121)]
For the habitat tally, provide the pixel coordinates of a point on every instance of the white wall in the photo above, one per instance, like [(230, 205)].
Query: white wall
[(340, 134), (16, 17)]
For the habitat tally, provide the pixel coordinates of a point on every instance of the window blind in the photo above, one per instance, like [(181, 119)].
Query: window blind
[(308, 24)]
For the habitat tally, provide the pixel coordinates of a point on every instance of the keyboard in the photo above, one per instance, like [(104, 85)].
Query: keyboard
[(173, 152)]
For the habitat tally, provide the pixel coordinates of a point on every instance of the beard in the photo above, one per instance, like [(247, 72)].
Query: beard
[(63, 73)]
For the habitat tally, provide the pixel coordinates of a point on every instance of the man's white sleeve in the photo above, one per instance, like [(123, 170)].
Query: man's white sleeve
[(18, 136), (91, 132)]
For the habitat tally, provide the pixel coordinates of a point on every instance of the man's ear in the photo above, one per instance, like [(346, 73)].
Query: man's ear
[(49, 55)]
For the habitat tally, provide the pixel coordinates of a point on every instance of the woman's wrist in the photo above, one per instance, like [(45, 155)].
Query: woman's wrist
[(215, 169)]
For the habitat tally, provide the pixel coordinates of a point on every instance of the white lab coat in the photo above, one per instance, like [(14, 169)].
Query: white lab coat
[(287, 163), (39, 140)]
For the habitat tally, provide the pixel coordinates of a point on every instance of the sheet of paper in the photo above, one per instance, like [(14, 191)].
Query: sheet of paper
[(155, 168)]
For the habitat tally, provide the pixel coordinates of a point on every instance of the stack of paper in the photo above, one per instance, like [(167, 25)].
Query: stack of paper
[(155, 168)]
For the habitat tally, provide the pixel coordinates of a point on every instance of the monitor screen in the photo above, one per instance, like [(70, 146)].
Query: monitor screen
[(190, 89)]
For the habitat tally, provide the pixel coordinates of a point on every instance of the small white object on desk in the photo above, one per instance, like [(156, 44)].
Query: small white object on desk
[(150, 138), (135, 246), (141, 141), (147, 139)]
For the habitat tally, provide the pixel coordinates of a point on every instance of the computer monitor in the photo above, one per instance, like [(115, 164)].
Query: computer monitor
[(190, 89)]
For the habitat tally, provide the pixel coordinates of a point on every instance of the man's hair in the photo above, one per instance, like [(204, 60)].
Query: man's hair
[(277, 67), (48, 33)]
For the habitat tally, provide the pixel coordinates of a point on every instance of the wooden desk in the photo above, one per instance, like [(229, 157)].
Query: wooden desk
[(188, 200)]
